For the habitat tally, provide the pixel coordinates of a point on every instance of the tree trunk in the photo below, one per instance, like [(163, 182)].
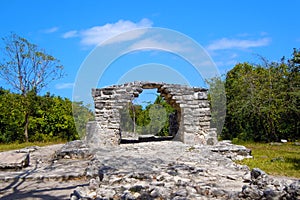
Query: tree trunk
[(26, 126)]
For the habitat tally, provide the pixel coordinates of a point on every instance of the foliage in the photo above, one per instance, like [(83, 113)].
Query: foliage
[(151, 120), (51, 118), (281, 159), (27, 69), (11, 118), (263, 101)]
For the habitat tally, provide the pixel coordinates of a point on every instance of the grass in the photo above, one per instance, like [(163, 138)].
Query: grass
[(280, 160), (13, 146)]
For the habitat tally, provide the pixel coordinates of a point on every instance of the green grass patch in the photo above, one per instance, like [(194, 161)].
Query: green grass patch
[(282, 160), (14, 146)]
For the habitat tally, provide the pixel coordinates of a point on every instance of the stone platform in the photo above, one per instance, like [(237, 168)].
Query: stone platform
[(150, 170)]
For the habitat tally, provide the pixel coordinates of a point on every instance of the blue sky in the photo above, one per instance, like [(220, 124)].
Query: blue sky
[(229, 31)]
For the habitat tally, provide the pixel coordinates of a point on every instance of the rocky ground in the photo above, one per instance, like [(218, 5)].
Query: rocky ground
[(151, 170)]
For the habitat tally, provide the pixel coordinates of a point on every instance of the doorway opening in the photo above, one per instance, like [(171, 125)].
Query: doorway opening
[(148, 117)]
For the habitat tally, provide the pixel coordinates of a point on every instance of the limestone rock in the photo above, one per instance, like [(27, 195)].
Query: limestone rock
[(13, 160), (151, 170), (234, 152), (73, 150), (28, 149), (262, 186)]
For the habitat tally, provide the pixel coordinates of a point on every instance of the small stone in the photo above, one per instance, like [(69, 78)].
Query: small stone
[(191, 190), (93, 184), (158, 183), (247, 177), (219, 193), (106, 192), (136, 188), (181, 192), (92, 194), (179, 198), (136, 195), (154, 193), (79, 192), (269, 193), (73, 197), (256, 172), (160, 178), (164, 192), (169, 184), (252, 192), (230, 177)]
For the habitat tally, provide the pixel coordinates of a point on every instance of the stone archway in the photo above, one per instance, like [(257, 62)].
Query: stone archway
[(191, 104)]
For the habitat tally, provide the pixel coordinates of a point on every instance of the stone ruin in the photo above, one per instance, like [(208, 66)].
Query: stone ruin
[(192, 115), (164, 170)]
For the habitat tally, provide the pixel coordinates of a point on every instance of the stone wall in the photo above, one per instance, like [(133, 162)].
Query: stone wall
[(191, 104)]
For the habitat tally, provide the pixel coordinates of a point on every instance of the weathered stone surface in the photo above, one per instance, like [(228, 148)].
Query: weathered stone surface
[(44, 165), (191, 105), (28, 149), (234, 152), (73, 150), (164, 170), (262, 186), (13, 160), (152, 170)]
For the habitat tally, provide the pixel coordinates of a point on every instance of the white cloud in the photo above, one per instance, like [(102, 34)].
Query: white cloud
[(226, 43), (61, 86), (154, 43), (51, 30), (98, 34), (70, 34)]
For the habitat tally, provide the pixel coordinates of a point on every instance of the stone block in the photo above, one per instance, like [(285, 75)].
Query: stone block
[(200, 95), (108, 91), (205, 123), (187, 97), (13, 160), (76, 149)]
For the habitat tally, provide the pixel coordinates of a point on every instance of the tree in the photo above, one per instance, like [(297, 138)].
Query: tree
[(263, 100), (27, 68), (10, 117)]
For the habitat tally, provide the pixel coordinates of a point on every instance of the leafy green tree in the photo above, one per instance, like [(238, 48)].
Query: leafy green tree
[(263, 100), (51, 118), (27, 68), (10, 117)]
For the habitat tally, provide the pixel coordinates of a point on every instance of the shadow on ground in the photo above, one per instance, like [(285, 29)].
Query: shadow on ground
[(20, 188)]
